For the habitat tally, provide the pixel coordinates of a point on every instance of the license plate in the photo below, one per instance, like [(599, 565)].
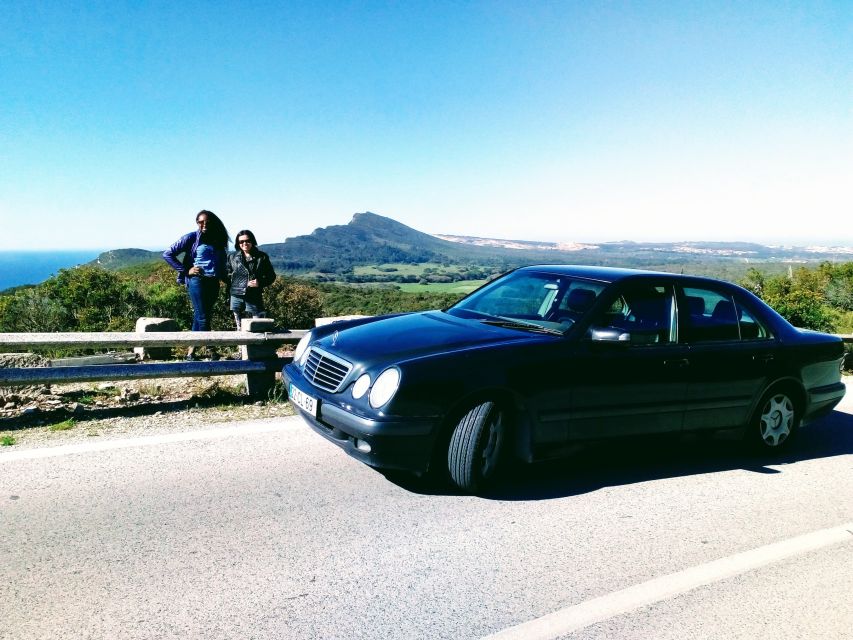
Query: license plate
[(303, 400)]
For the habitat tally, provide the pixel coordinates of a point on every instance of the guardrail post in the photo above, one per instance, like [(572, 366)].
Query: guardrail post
[(144, 325), (259, 385)]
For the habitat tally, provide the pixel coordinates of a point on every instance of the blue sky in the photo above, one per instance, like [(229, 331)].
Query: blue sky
[(561, 121)]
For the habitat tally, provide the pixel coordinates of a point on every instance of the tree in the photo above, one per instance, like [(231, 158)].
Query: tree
[(839, 284), (799, 298), (30, 311), (165, 298), (81, 299)]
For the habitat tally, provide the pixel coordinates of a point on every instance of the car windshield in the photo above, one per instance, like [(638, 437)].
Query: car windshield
[(530, 300)]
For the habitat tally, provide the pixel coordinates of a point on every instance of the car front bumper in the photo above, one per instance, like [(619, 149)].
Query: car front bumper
[(388, 443)]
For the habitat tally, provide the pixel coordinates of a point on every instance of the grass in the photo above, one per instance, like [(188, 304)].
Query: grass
[(65, 425), (109, 391), (93, 395), (150, 389), (7, 441), (221, 395), (278, 393), (207, 388), (217, 394), (461, 287)]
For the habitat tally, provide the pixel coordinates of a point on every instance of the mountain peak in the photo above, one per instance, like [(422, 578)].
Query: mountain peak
[(365, 215), (368, 239), (370, 219)]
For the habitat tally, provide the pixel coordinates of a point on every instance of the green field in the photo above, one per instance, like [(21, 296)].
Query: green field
[(401, 269), (461, 287)]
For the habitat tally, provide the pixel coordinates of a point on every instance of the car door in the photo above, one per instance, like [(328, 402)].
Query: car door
[(630, 367), (730, 353)]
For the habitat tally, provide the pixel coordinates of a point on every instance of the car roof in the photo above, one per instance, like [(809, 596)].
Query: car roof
[(615, 274), (604, 274)]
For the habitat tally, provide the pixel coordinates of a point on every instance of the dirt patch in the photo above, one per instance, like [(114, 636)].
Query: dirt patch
[(58, 414)]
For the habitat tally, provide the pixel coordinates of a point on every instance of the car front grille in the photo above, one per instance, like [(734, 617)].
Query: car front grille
[(326, 371)]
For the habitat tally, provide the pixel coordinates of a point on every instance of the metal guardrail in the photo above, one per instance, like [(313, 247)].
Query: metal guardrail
[(153, 339), (260, 367), (20, 377)]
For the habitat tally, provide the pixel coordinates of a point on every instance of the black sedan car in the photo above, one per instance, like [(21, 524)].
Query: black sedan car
[(546, 357)]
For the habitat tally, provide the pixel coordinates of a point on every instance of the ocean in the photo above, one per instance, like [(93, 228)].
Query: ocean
[(33, 267)]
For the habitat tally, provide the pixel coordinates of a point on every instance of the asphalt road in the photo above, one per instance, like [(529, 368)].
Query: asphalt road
[(264, 530)]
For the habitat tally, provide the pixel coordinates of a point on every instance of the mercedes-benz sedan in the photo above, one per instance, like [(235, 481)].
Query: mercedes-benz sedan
[(546, 357)]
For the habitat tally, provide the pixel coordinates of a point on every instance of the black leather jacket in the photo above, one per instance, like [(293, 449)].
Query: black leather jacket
[(241, 271)]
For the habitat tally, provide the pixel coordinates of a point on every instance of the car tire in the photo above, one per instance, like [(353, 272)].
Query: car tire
[(775, 422), (476, 447)]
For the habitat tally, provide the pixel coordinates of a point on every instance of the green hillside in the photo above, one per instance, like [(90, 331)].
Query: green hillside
[(123, 258), (374, 248), (371, 239)]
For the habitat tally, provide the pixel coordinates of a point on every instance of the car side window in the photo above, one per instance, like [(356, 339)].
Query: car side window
[(713, 316), (750, 327), (643, 314)]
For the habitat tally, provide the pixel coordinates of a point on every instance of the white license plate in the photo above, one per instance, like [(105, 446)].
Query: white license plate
[(303, 400)]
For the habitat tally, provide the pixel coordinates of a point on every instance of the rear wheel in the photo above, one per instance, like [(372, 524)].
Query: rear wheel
[(476, 447), (775, 421)]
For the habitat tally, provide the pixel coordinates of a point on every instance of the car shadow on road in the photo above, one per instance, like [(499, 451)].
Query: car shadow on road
[(629, 461)]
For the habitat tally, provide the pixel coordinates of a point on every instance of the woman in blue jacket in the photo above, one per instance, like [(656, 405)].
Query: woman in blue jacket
[(201, 268)]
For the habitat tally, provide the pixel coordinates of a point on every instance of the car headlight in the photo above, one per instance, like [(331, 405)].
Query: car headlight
[(361, 385), (301, 348), (385, 387)]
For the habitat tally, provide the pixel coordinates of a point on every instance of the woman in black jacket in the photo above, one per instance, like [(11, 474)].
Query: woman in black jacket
[(250, 271)]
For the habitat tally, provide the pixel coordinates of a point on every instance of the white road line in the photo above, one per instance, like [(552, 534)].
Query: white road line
[(564, 621), (237, 429)]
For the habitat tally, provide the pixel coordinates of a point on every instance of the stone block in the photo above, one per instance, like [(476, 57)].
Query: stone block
[(258, 325), (322, 322), (147, 325)]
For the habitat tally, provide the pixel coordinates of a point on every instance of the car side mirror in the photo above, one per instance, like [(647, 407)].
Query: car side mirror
[(608, 334)]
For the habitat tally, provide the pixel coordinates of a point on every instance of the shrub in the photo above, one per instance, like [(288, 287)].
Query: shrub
[(293, 304)]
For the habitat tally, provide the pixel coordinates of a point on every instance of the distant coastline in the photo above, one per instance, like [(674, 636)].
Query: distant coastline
[(32, 267)]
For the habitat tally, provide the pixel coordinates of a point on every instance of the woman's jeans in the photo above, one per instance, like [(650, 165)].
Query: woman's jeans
[(251, 303), (203, 294)]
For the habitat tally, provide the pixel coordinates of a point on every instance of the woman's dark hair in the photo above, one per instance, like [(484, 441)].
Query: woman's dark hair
[(215, 234), (245, 232)]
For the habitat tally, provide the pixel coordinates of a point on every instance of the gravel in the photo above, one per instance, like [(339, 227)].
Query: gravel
[(73, 413)]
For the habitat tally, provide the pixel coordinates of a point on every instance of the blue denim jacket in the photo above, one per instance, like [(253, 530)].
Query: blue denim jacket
[(187, 245)]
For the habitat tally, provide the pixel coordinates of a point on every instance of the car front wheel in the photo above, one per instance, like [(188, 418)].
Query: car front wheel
[(476, 447), (775, 421)]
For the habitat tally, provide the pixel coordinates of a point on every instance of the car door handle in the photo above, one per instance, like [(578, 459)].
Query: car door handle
[(764, 358), (678, 363)]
